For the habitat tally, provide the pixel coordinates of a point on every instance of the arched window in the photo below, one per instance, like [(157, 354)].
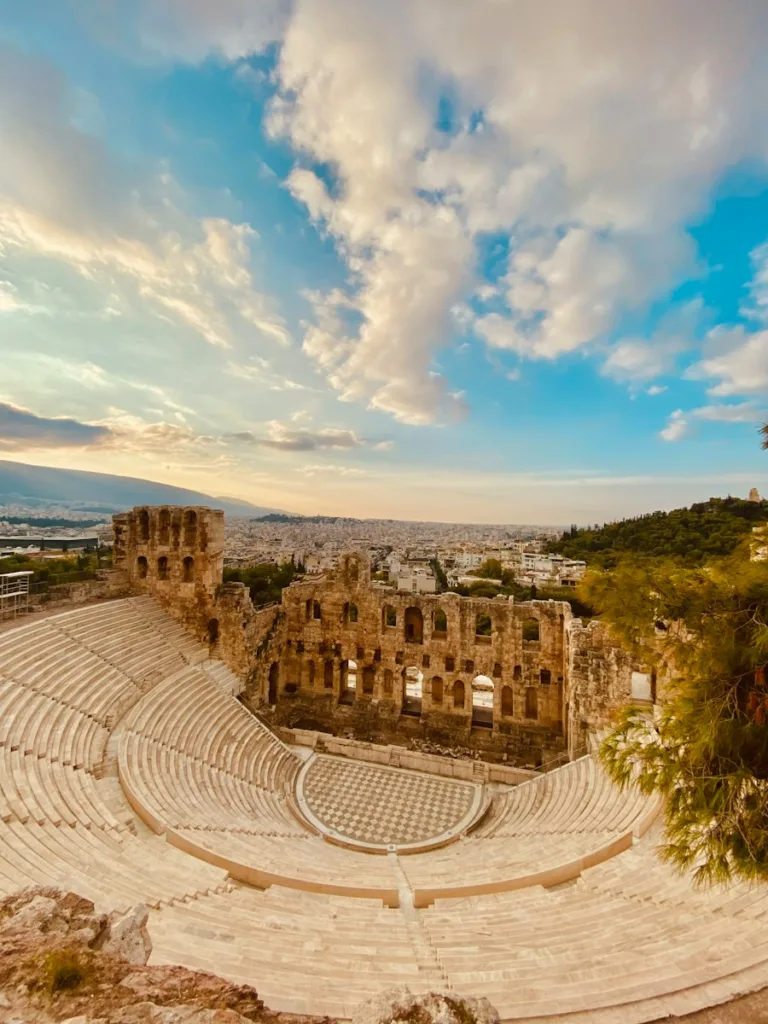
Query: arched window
[(350, 612), (311, 673), (507, 702), (369, 679), (308, 610), (162, 567), (144, 524), (328, 675), (142, 567), (439, 624), (437, 690), (531, 630), (414, 626), (483, 626), (274, 679), (389, 680), (190, 527), (164, 526), (531, 702), (213, 631), (316, 613), (188, 567), (458, 694), (545, 677), (482, 702), (389, 616), (518, 673)]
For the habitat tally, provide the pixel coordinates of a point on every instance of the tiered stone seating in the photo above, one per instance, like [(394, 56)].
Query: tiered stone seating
[(543, 832), (576, 798), (304, 952), (64, 681), (629, 933), (194, 715), (199, 767)]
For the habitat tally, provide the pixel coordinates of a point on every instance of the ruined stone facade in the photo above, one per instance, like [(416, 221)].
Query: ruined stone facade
[(177, 555), (554, 682)]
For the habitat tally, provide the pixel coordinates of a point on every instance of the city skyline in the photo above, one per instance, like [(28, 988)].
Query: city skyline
[(401, 262)]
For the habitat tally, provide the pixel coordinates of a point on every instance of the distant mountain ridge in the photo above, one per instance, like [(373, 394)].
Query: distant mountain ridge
[(20, 482)]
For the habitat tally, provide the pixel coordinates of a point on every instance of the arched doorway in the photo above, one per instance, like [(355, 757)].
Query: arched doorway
[(348, 682), (213, 631), (413, 683), (274, 679), (482, 702)]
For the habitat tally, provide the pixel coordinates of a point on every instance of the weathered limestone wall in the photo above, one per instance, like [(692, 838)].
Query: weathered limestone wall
[(332, 622), (413, 760), (109, 584), (600, 682), (555, 682), (177, 555)]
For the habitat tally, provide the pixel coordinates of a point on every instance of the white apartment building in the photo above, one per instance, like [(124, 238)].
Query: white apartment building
[(417, 583)]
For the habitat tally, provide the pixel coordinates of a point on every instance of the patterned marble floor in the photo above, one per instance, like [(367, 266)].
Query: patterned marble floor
[(376, 805)]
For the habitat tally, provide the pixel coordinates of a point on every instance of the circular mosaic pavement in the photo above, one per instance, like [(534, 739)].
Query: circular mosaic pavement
[(374, 806)]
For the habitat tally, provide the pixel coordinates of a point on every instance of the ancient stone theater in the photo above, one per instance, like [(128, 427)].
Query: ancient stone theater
[(351, 790)]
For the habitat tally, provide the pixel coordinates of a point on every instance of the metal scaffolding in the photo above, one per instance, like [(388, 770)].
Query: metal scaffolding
[(14, 593)]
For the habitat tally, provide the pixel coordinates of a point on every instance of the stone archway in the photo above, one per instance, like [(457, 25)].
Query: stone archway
[(414, 626), (413, 688), (482, 702)]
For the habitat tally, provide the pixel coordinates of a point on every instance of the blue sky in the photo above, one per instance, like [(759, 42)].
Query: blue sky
[(415, 260)]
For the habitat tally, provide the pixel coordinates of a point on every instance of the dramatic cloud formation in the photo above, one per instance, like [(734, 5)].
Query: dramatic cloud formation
[(21, 430), (232, 232), (667, 98)]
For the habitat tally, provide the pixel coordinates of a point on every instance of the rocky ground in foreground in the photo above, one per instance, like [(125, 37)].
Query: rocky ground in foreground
[(63, 963)]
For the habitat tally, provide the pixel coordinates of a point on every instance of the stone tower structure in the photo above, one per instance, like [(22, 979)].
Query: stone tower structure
[(177, 555)]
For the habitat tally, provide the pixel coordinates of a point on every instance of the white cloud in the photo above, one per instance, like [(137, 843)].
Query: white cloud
[(192, 28), (65, 202), (641, 359), (597, 145), (736, 359), (676, 428), (656, 389), (679, 424), (743, 412)]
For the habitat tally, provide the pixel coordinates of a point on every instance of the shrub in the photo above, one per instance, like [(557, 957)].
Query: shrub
[(63, 969)]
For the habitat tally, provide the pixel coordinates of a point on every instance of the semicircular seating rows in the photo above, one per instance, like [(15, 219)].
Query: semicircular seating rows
[(554, 906)]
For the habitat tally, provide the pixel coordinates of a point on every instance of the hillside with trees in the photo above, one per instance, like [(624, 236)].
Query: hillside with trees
[(708, 529)]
